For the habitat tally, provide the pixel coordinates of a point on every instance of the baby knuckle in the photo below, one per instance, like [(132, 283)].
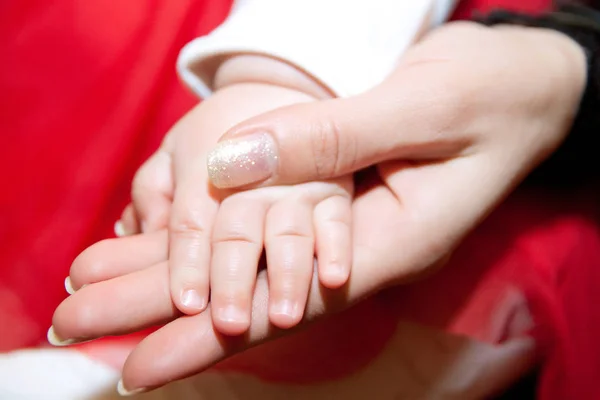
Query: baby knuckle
[(292, 230), (189, 225), (233, 234), (337, 221)]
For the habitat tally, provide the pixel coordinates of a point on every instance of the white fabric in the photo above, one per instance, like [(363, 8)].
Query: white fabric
[(348, 45), (55, 374)]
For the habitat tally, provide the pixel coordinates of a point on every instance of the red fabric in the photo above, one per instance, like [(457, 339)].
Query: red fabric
[(467, 8), (89, 88)]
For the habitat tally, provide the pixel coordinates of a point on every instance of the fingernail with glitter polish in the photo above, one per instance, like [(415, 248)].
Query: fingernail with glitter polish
[(242, 161)]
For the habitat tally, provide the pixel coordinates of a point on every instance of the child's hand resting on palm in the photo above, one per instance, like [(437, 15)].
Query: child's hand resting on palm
[(216, 237)]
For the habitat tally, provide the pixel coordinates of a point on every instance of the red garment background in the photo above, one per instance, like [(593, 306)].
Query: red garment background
[(88, 89)]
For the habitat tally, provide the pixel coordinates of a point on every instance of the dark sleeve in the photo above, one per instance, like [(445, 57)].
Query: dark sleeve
[(577, 161)]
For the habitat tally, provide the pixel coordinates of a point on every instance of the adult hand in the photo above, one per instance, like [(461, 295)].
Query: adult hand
[(469, 111)]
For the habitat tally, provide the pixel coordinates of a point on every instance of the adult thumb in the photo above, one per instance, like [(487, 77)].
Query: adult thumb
[(327, 139)]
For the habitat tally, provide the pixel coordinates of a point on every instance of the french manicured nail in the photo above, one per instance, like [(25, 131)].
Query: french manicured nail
[(242, 161), (191, 299), (69, 286), (119, 229), (55, 340), (126, 392)]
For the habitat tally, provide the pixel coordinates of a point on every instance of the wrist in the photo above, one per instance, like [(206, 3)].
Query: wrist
[(565, 55), (564, 63), (569, 38), (245, 68)]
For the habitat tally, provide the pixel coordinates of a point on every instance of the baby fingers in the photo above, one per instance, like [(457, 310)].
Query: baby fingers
[(237, 245), (290, 248), (333, 231)]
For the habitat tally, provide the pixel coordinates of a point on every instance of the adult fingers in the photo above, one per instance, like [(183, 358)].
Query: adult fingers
[(110, 258), (191, 344), (97, 310)]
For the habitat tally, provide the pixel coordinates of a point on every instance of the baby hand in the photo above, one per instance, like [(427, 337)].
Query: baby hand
[(292, 224), (171, 190)]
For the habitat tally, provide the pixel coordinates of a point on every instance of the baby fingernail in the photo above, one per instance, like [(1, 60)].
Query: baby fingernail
[(55, 340), (191, 299), (285, 307), (338, 269), (69, 286), (232, 314), (126, 392), (242, 161), (337, 272)]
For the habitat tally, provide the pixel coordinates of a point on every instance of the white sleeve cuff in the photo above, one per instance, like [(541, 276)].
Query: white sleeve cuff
[(348, 45)]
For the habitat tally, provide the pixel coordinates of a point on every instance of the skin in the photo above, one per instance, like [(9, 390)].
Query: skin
[(466, 115), (216, 237)]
